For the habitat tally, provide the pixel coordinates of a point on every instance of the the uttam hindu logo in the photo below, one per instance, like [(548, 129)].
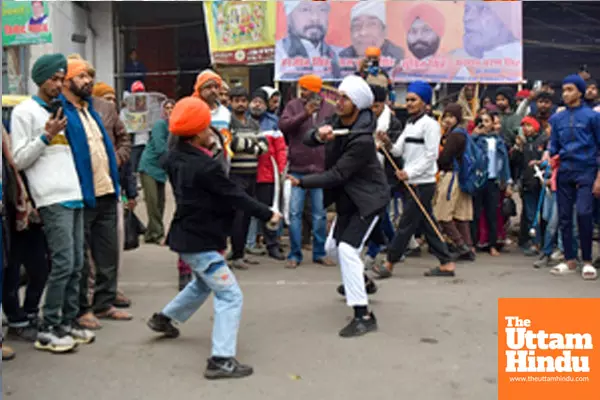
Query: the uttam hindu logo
[(549, 349), (526, 345)]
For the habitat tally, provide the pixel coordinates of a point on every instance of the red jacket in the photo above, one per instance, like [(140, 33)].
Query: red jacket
[(277, 150)]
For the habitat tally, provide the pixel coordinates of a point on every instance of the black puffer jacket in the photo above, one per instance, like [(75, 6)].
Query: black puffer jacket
[(354, 178)]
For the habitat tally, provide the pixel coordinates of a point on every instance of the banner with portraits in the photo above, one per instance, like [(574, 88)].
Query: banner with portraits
[(240, 32), (25, 22), (435, 41), (141, 111)]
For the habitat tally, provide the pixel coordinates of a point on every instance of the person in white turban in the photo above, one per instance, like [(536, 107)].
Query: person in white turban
[(307, 24), (355, 180), (273, 98), (368, 28)]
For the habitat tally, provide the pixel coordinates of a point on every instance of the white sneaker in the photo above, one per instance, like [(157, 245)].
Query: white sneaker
[(54, 340), (80, 334), (557, 256)]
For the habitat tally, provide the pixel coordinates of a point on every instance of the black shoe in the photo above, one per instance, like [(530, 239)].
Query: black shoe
[(184, 279), (370, 286), (162, 324), (543, 262), (466, 254), (359, 327), (276, 254), (226, 369), (26, 333)]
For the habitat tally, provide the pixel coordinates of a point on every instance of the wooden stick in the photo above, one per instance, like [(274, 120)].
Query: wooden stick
[(415, 198)]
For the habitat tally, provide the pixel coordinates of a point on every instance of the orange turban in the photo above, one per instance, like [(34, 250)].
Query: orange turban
[(204, 77), (428, 14), (101, 88), (373, 52), (314, 83), (76, 67), (189, 117)]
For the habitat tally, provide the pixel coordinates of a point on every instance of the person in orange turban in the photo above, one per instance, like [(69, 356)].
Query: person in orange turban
[(102, 89), (76, 67), (425, 24), (190, 117), (373, 52), (207, 87), (312, 83), (207, 201)]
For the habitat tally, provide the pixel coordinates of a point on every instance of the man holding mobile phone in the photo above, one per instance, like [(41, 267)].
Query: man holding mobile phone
[(47, 161)]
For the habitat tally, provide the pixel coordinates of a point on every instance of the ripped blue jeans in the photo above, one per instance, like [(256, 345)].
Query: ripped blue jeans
[(211, 274)]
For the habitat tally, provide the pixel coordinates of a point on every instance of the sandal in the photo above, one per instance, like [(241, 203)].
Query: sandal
[(326, 262), (121, 301), (89, 321), (589, 273), (251, 261), (114, 315), (561, 270), (437, 272), (381, 271), (291, 264)]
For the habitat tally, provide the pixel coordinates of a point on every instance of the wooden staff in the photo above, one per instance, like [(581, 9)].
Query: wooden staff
[(414, 196)]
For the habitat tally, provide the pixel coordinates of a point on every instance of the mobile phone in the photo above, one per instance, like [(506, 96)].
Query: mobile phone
[(55, 105)]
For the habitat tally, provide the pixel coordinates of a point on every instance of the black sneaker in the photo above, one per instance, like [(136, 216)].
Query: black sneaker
[(162, 324), (359, 327), (416, 252), (543, 262), (370, 286), (276, 254), (466, 254), (26, 333), (229, 368)]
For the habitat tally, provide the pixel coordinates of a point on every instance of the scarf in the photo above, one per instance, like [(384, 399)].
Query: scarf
[(25, 212)]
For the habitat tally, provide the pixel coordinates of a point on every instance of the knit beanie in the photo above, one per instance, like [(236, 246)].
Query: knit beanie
[(531, 121), (261, 94), (189, 117), (313, 83), (577, 81), (46, 66), (373, 51), (421, 89), (101, 88), (455, 110)]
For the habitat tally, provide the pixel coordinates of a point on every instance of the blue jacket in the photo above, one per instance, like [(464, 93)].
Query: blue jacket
[(81, 152), (503, 165), (267, 122), (575, 138)]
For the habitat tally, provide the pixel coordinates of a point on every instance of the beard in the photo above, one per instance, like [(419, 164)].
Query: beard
[(82, 92), (257, 111), (421, 49), (317, 32)]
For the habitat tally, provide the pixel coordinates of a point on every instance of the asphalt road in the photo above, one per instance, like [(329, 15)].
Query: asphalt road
[(437, 337)]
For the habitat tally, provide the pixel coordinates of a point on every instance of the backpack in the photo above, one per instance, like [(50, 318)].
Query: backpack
[(473, 167)]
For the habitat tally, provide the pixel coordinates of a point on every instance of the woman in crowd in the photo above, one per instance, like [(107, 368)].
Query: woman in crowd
[(154, 177)]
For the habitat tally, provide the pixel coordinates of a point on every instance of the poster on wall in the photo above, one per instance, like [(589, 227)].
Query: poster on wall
[(240, 32), (142, 111), (25, 22), (436, 41)]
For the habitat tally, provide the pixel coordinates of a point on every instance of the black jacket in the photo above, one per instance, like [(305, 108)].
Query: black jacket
[(533, 149), (353, 178), (206, 201)]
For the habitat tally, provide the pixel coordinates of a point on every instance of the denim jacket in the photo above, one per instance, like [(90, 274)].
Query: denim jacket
[(503, 165)]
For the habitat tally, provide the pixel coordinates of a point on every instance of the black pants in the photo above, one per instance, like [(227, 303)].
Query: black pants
[(100, 225), (487, 200), (28, 248), (413, 219), (241, 221), (264, 194)]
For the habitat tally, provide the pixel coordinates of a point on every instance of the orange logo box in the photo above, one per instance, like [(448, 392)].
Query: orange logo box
[(548, 349)]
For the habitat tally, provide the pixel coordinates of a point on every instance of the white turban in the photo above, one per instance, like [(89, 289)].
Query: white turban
[(373, 8), (290, 6), (358, 91), (270, 91)]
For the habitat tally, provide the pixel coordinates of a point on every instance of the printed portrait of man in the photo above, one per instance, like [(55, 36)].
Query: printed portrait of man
[(307, 23), (368, 28), (425, 24), (491, 30)]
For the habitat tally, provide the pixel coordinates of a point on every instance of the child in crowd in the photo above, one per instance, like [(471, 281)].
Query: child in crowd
[(488, 199), (525, 154)]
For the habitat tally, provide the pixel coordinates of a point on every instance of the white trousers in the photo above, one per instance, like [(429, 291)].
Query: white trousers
[(351, 265)]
